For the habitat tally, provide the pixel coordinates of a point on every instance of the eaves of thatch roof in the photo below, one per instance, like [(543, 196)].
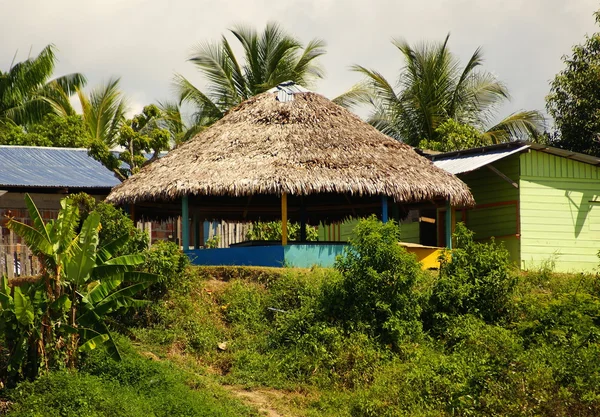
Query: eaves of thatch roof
[(303, 146)]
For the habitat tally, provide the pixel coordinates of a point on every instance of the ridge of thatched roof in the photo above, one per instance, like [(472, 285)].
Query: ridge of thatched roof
[(301, 146)]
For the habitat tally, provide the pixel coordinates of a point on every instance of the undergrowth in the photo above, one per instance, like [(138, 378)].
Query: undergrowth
[(528, 346), (374, 337)]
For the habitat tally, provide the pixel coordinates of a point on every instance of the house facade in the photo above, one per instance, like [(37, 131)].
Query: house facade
[(543, 203)]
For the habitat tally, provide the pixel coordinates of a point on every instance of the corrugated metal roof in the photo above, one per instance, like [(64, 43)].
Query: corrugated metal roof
[(286, 90), (29, 166), (461, 163)]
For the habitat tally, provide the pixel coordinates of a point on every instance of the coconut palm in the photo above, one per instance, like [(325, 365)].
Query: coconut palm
[(27, 92), (270, 58), (103, 111), (434, 88)]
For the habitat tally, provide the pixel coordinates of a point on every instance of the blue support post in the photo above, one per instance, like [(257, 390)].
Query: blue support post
[(185, 223), (448, 225), (384, 208)]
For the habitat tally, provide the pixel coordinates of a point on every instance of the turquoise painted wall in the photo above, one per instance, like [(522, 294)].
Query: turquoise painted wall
[(307, 256), (558, 223), (500, 222)]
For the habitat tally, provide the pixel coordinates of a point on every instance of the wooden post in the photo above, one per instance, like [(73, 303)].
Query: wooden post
[(284, 219), (185, 223), (448, 225), (132, 213), (384, 208)]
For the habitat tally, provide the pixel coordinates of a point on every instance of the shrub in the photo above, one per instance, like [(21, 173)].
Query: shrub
[(272, 231), (115, 223), (376, 292), (169, 263), (474, 279)]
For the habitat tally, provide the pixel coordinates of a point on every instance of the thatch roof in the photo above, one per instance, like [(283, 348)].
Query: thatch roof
[(305, 145)]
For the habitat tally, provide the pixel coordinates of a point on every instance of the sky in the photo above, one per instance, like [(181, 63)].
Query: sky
[(145, 42)]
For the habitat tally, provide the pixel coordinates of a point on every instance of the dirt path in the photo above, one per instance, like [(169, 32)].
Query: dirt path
[(260, 399)]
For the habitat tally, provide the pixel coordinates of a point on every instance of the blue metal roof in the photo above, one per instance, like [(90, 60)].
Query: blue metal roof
[(30, 166)]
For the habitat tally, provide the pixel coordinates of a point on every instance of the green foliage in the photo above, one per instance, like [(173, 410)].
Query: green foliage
[(12, 134), (27, 92), (432, 88), (377, 290), (454, 136), (272, 231), (212, 242), (115, 224), (53, 130), (475, 278), (541, 360), (574, 102), (62, 131), (47, 323), (140, 136), (133, 387), (167, 261)]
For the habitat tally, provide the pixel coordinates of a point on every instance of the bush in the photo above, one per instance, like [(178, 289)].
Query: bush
[(272, 231), (167, 260), (475, 278), (376, 292), (114, 223)]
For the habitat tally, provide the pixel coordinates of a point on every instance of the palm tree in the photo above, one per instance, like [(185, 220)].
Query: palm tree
[(270, 58), (103, 111), (27, 92), (432, 89)]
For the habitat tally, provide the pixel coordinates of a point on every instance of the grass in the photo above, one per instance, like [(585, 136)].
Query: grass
[(270, 332), (543, 359), (136, 386)]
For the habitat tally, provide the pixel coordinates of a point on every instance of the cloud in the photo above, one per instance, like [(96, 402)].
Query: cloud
[(146, 41)]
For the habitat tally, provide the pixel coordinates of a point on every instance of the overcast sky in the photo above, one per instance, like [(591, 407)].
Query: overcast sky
[(146, 41)]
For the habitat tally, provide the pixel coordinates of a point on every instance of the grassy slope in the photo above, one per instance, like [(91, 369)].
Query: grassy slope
[(543, 361), (280, 358)]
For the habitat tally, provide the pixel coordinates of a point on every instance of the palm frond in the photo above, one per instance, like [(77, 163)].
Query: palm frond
[(524, 125), (358, 94)]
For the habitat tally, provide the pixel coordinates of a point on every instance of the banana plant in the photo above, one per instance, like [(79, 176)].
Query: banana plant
[(79, 286)]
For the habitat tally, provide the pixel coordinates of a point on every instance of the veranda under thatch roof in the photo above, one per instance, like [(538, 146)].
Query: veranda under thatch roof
[(301, 145)]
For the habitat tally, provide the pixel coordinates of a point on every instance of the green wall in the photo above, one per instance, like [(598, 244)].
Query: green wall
[(501, 221), (558, 224)]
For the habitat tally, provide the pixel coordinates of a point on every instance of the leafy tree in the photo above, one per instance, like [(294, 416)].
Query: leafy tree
[(574, 99), (376, 293), (11, 134), (142, 139), (475, 278), (270, 58), (27, 92), (454, 136), (433, 88), (53, 130), (62, 131), (47, 322)]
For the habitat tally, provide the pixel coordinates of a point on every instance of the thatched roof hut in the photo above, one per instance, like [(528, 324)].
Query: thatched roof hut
[(289, 142)]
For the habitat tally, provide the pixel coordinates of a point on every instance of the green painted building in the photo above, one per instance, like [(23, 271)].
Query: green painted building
[(542, 202)]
